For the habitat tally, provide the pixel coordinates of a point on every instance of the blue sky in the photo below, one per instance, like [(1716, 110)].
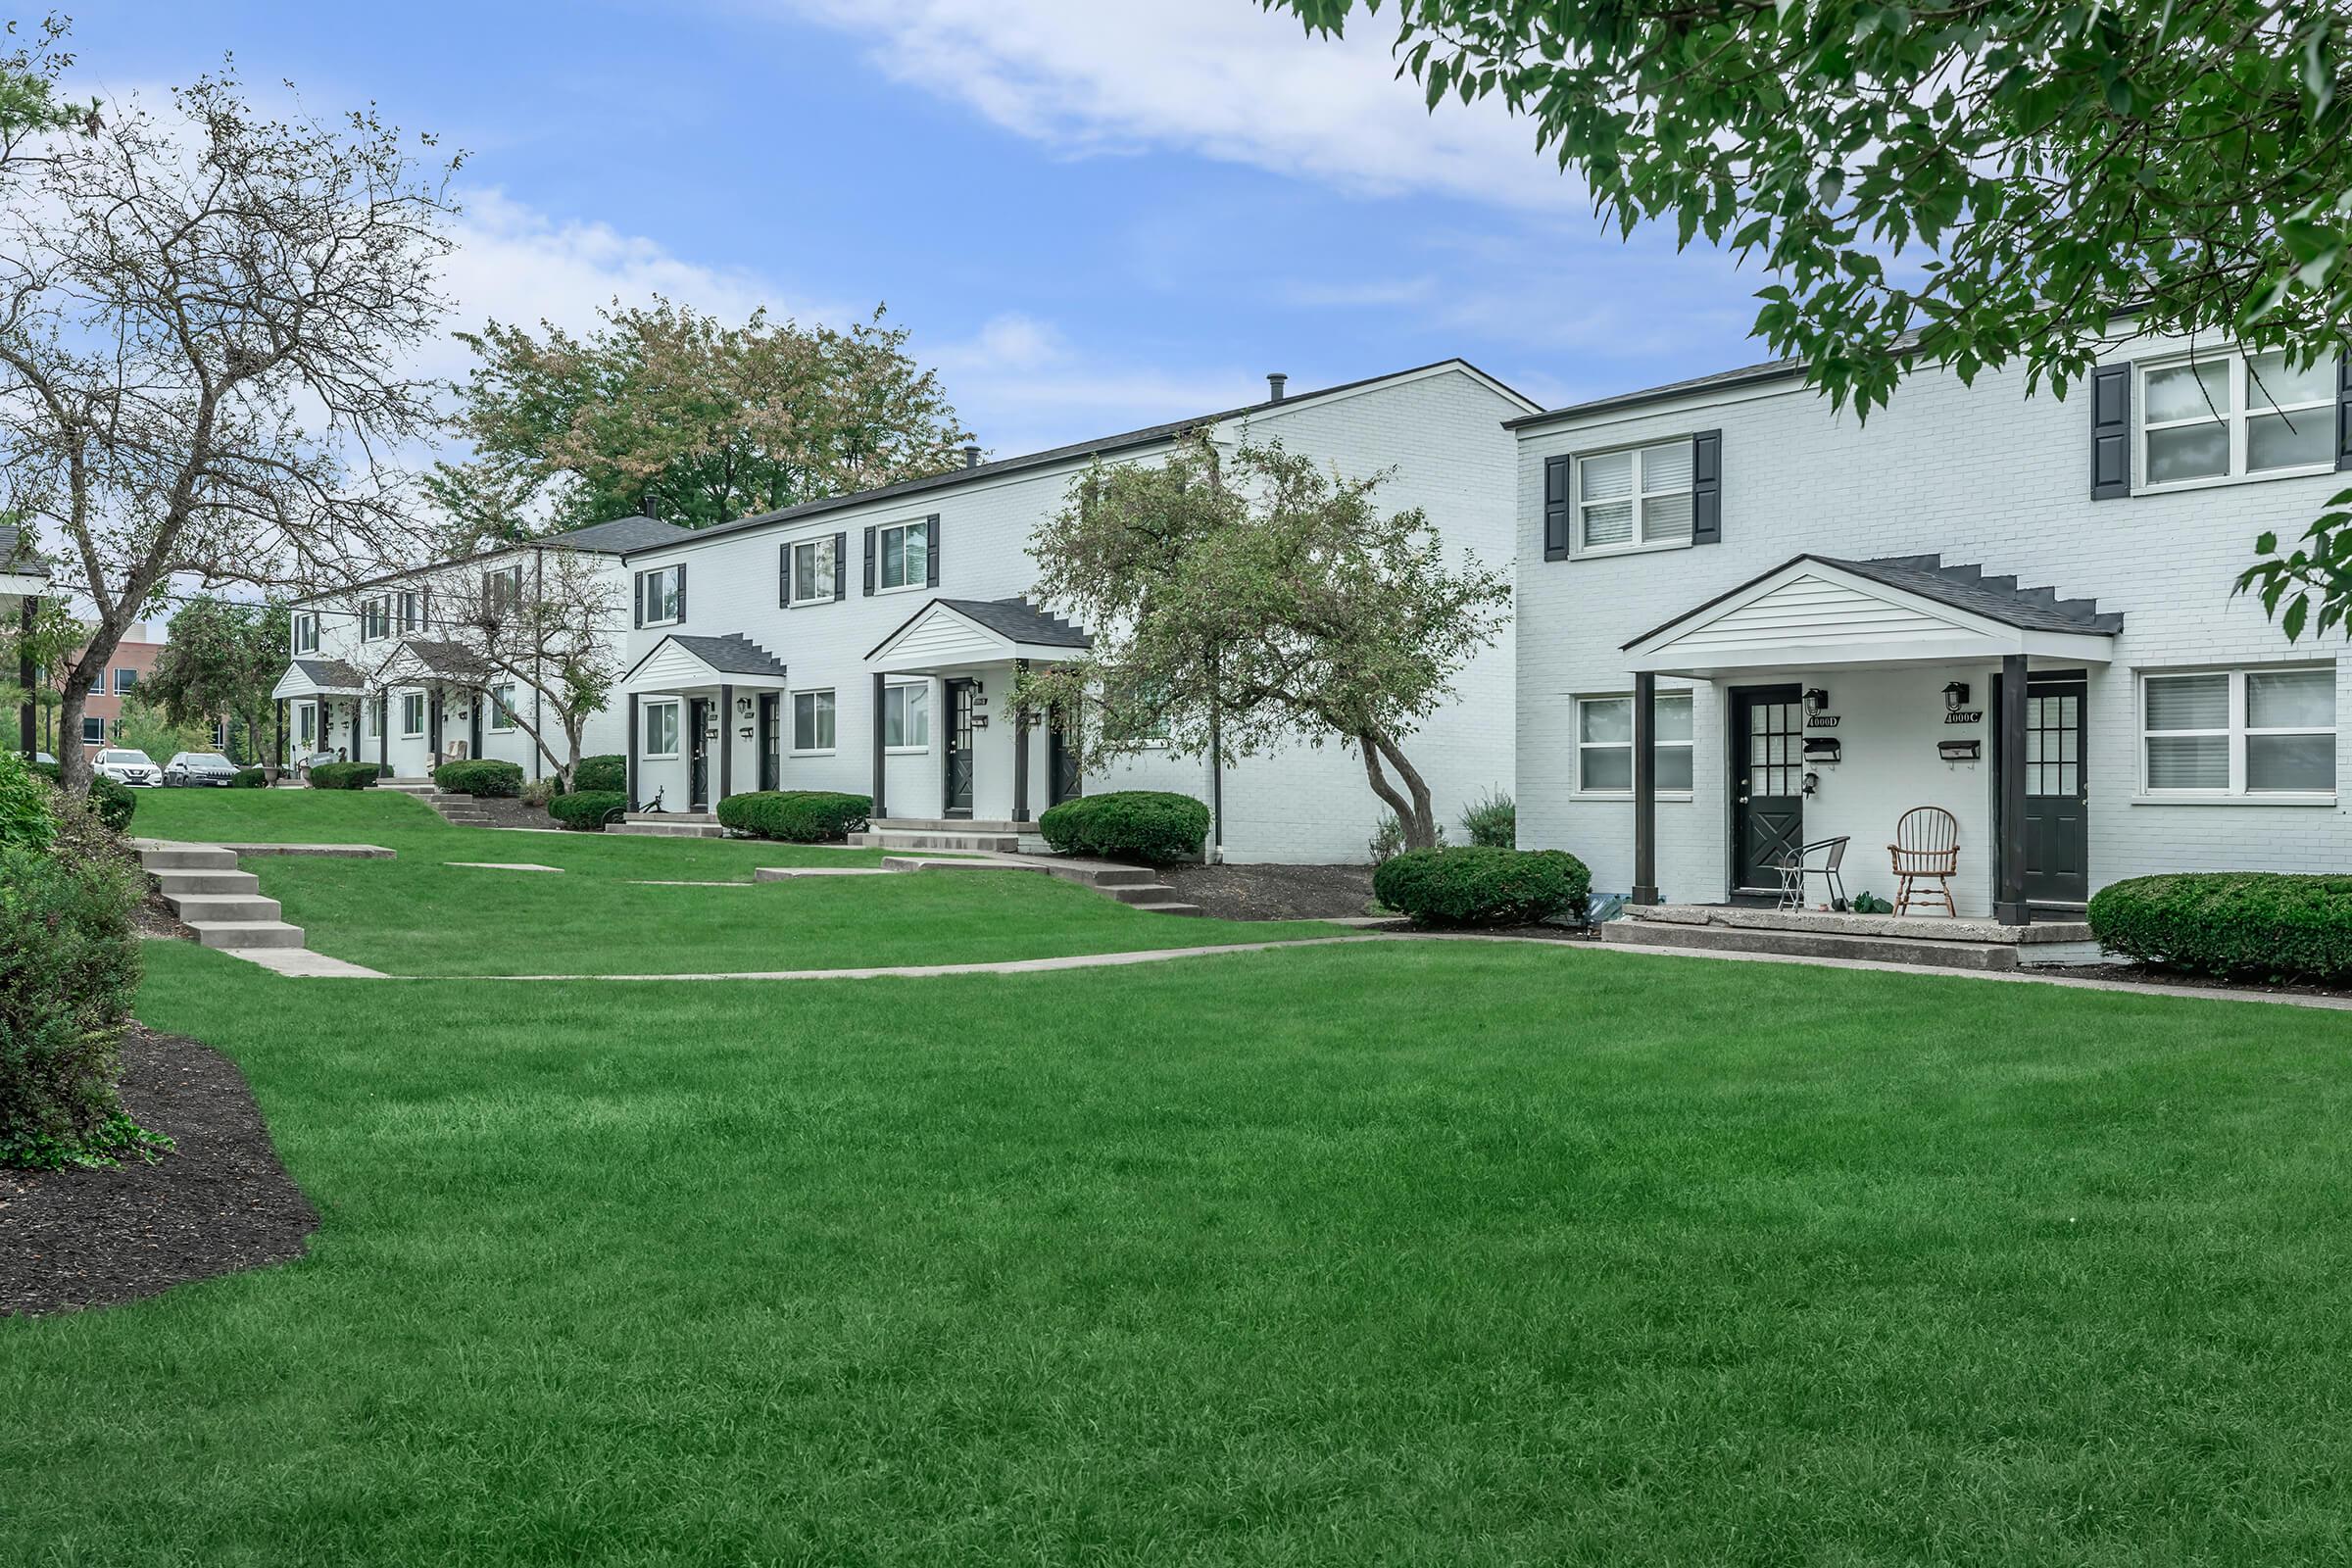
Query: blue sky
[(1093, 214)]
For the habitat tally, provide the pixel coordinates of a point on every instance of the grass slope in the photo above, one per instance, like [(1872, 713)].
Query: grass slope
[(1461, 1253), (420, 915)]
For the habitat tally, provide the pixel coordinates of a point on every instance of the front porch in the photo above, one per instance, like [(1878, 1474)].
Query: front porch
[(1925, 941)]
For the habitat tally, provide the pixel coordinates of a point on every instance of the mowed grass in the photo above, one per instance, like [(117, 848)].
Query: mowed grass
[(1459, 1253), (420, 914)]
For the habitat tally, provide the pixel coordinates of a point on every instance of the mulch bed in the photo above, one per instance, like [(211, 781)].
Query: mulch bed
[(512, 812), (154, 918), (1273, 892), (221, 1204)]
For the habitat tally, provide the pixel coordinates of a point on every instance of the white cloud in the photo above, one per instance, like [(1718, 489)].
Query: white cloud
[(1228, 81), (1022, 386)]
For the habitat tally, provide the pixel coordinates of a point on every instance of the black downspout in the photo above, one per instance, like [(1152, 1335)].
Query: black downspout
[(25, 739), (880, 810), (2009, 905), (1020, 748), (628, 753), (1646, 788)]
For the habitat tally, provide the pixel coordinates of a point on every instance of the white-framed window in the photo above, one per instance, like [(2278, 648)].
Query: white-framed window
[(661, 596), (376, 618), (305, 723), (2221, 733), (306, 631), (812, 722), (410, 606), (502, 589), (1604, 744), (124, 681), (907, 717), (412, 714), (813, 569), (903, 556), (1636, 499), (93, 730), (2218, 416), (660, 724), (379, 716), (501, 708)]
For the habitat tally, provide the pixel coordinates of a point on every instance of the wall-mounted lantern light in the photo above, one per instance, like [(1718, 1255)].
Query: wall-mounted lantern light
[(1812, 783), (1955, 696), (743, 708), (1816, 700)]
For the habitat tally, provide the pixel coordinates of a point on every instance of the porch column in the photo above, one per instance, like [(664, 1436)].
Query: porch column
[(726, 743), (1646, 788), (879, 811), (1020, 747), (383, 736), (628, 756), (280, 754), (2009, 784), (26, 740)]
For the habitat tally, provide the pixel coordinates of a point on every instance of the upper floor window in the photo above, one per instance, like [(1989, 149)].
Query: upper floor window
[(815, 570), (2232, 415), (903, 555), (411, 610), (124, 681), (306, 631), (1638, 499), (502, 590), (376, 618), (661, 596), (2240, 732), (93, 730)]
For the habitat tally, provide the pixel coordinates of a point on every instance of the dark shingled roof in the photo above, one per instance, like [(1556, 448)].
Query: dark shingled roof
[(330, 674), (436, 658), (731, 654), (618, 536), (17, 555), (1994, 598), (1020, 620)]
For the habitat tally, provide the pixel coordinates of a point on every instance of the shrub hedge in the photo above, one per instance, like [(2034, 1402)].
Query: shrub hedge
[(28, 805), (480, 775), (585, 811), (72, 959), (113, 803), (600, 773), (2242, 925), (1154, 826), (1480, 885), (343, 776), (797, 817), (250, 778)]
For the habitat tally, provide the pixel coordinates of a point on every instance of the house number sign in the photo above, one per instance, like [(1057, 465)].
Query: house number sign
[(1963, 715)]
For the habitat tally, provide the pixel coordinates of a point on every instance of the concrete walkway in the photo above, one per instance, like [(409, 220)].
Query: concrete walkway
[(921, 971)]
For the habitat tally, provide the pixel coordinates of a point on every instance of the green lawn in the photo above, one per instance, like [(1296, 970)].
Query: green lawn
[(1456, 1253), (420, 915)]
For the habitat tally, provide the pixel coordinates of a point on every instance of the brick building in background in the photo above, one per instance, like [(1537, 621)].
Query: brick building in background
[(134, 662)]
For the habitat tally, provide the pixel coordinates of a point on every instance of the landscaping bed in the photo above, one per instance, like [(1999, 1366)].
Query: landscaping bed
[(222, 1203), (1274, 892), (508, 812)]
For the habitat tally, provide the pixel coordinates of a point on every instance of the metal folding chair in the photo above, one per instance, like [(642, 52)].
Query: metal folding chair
[(1822, 859)]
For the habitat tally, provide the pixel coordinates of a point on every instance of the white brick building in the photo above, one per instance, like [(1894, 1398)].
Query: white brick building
[(1740, 545)]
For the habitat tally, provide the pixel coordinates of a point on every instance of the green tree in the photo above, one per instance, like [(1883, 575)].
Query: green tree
[(55, 636), (1970, 184), (1239, 602), (145, 726), (222, 657), (668, 412)]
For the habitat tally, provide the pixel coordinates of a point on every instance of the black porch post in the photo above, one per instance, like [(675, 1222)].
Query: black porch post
[(383, 737), (278, 757), (1020, 749), (628, 755), (1646, 788), (2009, 781), (880, 810), (726, 743), (26, 740)]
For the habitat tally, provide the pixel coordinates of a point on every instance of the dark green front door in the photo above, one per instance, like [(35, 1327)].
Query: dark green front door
[(2057, 790), (1768, 784), (956, 791), (698, 753), (771, 758)]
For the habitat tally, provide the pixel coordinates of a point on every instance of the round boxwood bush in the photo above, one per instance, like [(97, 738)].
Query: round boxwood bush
[(797, 817), (482, 777), (2240, 925), (600, 773), (1153, 826), (343, 775), (249, 778), (112, 803), (1480, 885), (585, 811)]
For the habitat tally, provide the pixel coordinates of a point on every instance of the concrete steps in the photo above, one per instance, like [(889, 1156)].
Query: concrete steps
[(202, 885), (671, 825), (974, 843), (1131, 885), (1924, 952)]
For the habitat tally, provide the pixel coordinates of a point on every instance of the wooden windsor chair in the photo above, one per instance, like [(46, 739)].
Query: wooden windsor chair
[(1927, 856)]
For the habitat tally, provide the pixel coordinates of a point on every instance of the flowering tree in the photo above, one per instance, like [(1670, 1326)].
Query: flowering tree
[(1238, 603)]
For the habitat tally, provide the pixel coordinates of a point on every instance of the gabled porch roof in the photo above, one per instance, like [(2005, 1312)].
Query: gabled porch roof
[(318, 677), (954, 633), (424, 661), (1820, 611), (683, 663)]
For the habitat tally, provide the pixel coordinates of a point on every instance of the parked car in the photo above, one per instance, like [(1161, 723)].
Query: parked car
[(190, 769), (125, 767)]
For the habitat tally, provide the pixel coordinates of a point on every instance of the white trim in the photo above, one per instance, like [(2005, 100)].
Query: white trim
[(2234, 419), (1575, 716), (637, 595), (822, 544), (646, 711), (833, 697), (881, 531), (491, 724), (1639, 495), (905, 748), (424, 718), (2234, 732)]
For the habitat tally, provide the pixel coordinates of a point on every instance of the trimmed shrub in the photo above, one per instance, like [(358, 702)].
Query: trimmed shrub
[(1480, 885), (28, 805), (1493, 822), (112, 803), (72, 965), (250, 778), (482, 777), (1153, 826), (585, 811), (343, 776), (538, 791), (2238, 925), (796, 817), (600, 773)]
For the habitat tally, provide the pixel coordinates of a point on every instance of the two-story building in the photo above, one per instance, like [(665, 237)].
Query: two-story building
[(868, 643), (393, 670), (1749, 622)]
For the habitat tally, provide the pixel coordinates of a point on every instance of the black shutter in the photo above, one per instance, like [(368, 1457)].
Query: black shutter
[(841, 560), (869, 563), (1706, 488), (2343, 411), (682, 593), (2111, 431), (640, 601), (931, 551), (783, 576), (1556, 473)]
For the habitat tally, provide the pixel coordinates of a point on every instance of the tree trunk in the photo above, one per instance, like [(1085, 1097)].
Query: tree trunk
[(73, 770), (1413, 814)]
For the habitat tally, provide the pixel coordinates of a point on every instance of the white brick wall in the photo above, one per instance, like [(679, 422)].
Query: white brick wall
[(1982, 475)]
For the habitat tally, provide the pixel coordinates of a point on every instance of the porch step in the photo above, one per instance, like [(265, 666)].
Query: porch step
[(157, 857), (935, 839), (187, 884), (671, 816), (1131, 885), (670, 830), (1924, 952), (235, 934), (949, 824), (250, 908)]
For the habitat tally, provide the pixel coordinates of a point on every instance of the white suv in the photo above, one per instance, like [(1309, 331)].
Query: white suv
[(126, 766)]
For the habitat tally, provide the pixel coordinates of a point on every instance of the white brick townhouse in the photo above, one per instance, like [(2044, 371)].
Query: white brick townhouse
[(868, 643), (378, 672), (1747, 622)]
